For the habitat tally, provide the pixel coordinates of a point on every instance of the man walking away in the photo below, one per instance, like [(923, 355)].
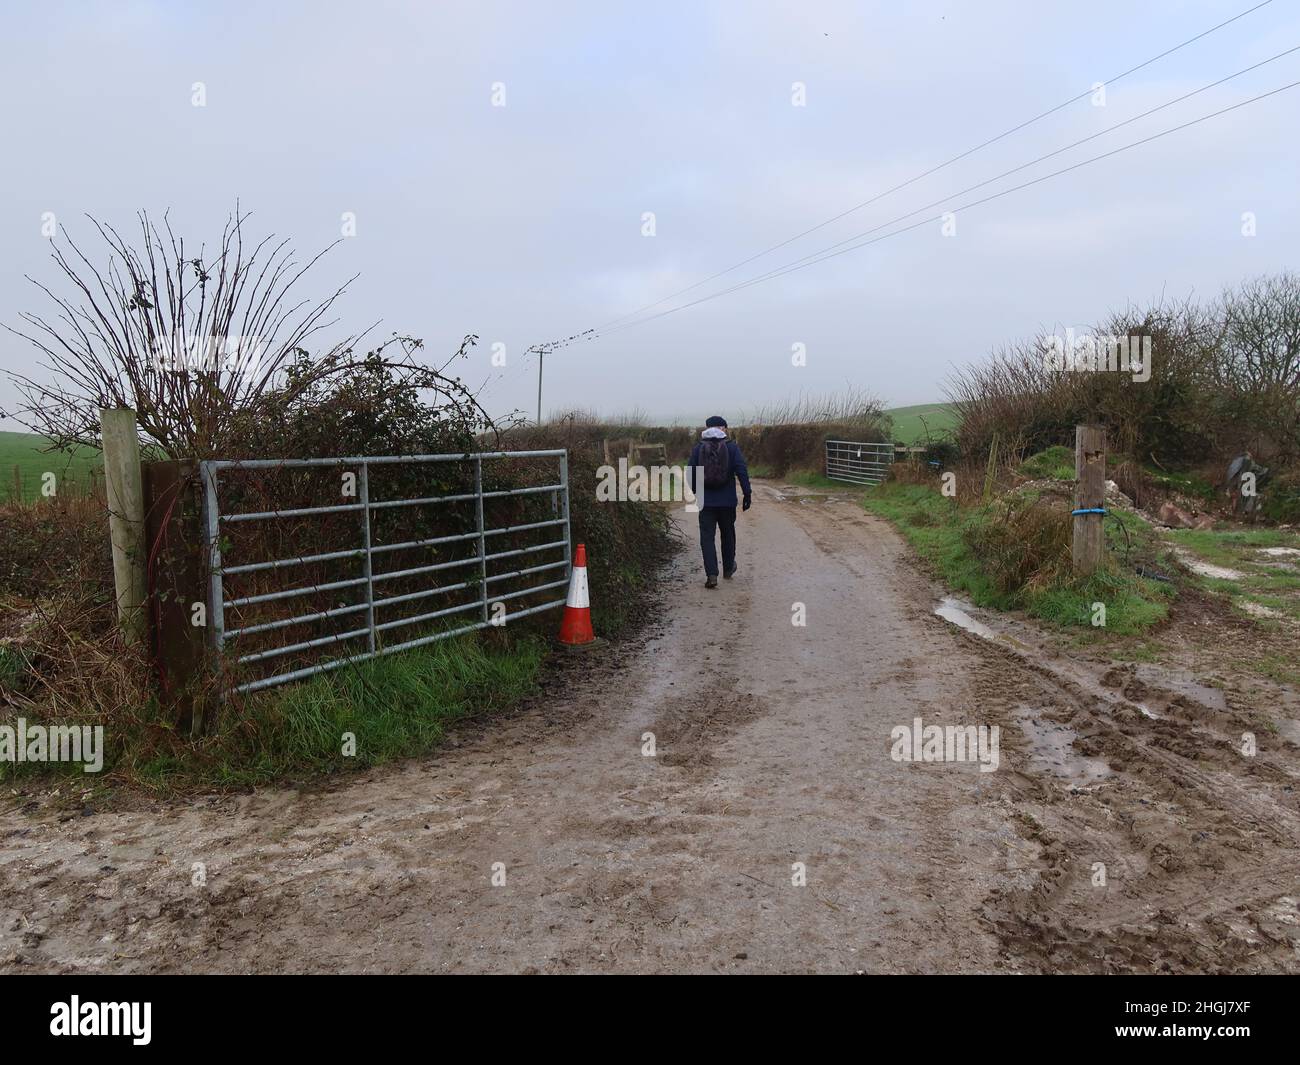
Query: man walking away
[(718, 462)]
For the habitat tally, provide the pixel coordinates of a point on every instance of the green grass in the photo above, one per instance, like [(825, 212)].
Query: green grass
[(1185, 484), (1132, 604), (395, 707), (1279, 668), (13, 668), (932, 525), (1269, 582), (1055, 463), (1226, 546), (910, 423), (25, 451), (940, 532), (815, 479), (804, 478)]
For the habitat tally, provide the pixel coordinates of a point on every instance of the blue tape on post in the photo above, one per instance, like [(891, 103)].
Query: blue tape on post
[(1089, 510)]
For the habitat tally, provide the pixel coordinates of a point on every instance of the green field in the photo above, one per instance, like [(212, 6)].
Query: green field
[(910, 423), (72, 472), (23, 452)]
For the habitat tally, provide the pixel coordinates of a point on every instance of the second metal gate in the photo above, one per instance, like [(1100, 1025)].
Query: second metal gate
[(858, 463)]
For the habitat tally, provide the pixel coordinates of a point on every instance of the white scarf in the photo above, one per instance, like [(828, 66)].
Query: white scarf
[(714, 433)]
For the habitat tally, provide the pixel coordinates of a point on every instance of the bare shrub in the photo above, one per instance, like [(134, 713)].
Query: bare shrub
[(206, 348), (1259, 365), (850, 408), (1224, 378)]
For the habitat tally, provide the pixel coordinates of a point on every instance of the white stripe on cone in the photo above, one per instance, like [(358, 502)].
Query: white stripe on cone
[(578, 588)]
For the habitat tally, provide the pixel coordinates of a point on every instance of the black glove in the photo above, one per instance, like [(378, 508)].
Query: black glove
[(746, 504)]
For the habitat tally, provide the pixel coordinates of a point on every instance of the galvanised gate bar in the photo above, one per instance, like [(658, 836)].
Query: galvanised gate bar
[(858, 463), (489, 589)]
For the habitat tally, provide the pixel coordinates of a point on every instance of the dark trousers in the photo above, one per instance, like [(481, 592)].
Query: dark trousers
[(712, 519)]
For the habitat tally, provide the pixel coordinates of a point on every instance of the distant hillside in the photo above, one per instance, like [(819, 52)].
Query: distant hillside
[(24, 451), (911, 423)]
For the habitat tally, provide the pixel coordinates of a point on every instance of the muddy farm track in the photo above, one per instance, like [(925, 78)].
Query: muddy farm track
[(773, 748)]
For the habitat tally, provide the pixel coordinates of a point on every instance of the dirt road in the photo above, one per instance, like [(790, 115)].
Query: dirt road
[(772, 765)]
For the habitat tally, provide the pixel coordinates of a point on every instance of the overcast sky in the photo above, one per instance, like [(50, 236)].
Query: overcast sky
[(522, 223)]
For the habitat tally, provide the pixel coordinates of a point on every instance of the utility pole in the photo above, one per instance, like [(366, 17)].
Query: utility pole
[(540, 356)]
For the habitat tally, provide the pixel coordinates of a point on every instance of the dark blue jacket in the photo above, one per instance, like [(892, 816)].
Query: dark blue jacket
[(726, 495)]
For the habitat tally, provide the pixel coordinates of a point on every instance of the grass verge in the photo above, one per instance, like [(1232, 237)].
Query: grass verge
[(960, 544), (1266, 563), (349, 719)]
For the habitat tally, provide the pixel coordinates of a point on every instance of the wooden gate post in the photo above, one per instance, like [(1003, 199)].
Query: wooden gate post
[(125, 494), (1089, 497), (176, 586)]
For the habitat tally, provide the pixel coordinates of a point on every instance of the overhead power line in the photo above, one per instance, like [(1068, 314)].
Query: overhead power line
[(940, 166), (1007, 173), (828, 253), (615, 324)]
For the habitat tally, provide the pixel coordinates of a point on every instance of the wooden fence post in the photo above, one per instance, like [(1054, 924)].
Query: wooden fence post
[(125, 494), (991, 470), (1090, 495)]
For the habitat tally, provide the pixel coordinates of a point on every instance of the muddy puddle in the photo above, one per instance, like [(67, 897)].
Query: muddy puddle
[(1051, 750), (953, 610), (957, 612), (794, 494)]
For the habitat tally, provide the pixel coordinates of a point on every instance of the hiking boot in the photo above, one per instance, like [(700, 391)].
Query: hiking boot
[(711, 582), (727, 574)]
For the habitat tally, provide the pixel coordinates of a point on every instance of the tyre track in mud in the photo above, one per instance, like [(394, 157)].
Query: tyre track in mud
[(1229, 906), (772, 748)]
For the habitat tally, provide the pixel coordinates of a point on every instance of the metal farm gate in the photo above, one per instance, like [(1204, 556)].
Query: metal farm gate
[(486, 588), (858, 463)]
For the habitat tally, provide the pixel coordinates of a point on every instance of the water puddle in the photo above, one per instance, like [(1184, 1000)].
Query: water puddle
[(793, 493), (952, 609), (956, 612), (1051, 750)]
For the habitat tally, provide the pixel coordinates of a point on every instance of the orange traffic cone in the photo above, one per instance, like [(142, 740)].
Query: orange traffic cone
[(576, 626)]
